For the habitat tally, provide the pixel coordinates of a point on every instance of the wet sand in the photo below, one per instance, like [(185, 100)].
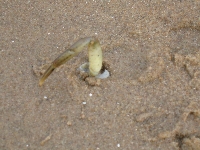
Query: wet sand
[(150, 101)]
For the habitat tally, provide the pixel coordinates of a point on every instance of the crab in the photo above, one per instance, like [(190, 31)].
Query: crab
[(94, 52)]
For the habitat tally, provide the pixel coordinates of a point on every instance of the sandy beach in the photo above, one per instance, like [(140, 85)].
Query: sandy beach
[(151, 101)]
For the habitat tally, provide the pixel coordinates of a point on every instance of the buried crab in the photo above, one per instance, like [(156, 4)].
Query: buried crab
[(95, 58)]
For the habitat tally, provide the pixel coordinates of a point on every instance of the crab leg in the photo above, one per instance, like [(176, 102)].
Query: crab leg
[(64, 57)]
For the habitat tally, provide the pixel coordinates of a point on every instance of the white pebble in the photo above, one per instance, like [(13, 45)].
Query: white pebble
[(118, 145), (84, 103), (90, 94)]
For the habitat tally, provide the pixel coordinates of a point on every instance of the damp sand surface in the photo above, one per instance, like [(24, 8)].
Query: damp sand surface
[(150, 101)]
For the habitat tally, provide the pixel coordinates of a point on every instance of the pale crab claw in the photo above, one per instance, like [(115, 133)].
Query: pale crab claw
[(94, 51)]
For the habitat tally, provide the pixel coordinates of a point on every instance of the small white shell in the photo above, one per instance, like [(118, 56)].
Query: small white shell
[(103, 75), (85, 68)]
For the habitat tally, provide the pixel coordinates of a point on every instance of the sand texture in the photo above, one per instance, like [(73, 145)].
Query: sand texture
[(151, 101)]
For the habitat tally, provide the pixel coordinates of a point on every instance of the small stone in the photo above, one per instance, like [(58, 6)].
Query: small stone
[(69, 123), (118, 145), (82, 116)]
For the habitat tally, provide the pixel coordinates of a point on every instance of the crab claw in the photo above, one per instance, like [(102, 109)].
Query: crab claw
[(94, 52)]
